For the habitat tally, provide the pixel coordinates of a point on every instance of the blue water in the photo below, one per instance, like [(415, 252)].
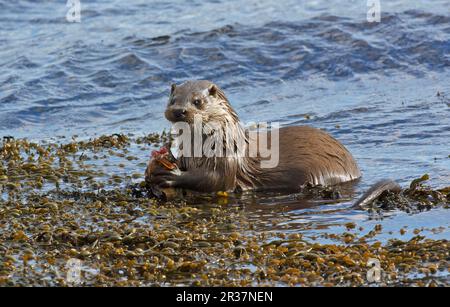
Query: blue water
[(383, 89)]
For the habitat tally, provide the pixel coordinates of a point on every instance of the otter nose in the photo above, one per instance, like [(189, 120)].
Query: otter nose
[(179, 113)]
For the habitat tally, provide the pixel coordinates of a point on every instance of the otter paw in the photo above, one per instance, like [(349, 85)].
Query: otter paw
[(166, 184), (163, 179)]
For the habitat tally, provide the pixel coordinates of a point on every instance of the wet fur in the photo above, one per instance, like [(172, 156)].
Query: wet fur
[(307, 155)]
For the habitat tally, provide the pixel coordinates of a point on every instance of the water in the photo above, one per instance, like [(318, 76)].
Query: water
[(381, 88)]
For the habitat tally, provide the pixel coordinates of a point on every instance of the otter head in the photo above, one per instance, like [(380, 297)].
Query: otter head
[(198, 98)]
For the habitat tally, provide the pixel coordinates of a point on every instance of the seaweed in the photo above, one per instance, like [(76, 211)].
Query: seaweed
[(60, 204)]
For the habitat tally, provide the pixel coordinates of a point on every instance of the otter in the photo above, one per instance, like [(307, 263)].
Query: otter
[(306, 155)]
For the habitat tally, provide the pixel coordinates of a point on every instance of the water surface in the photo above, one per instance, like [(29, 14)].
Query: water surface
[(381, 88)]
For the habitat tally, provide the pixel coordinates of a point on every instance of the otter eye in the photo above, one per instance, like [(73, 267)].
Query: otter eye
[(197, 102)]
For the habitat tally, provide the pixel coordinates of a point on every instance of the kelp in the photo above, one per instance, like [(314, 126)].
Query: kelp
[(61, 202), (416, 198)]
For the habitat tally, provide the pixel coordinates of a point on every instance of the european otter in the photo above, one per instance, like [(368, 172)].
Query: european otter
[(306, 154)]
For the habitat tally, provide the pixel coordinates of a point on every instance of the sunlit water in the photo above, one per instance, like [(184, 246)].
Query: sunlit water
[(383, 89)]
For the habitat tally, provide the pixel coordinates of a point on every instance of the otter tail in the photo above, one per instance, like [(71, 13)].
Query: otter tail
[(375, 191)]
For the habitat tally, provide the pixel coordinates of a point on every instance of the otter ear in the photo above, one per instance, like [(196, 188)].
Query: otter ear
[(212, 90), (172, 88)]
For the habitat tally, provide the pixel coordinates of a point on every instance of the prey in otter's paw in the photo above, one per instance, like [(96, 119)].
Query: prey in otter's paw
[(218, 155)]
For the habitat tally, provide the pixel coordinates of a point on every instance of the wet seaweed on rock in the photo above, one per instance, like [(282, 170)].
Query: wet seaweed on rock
[(417, 197), (58, 204), (322, 192)]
